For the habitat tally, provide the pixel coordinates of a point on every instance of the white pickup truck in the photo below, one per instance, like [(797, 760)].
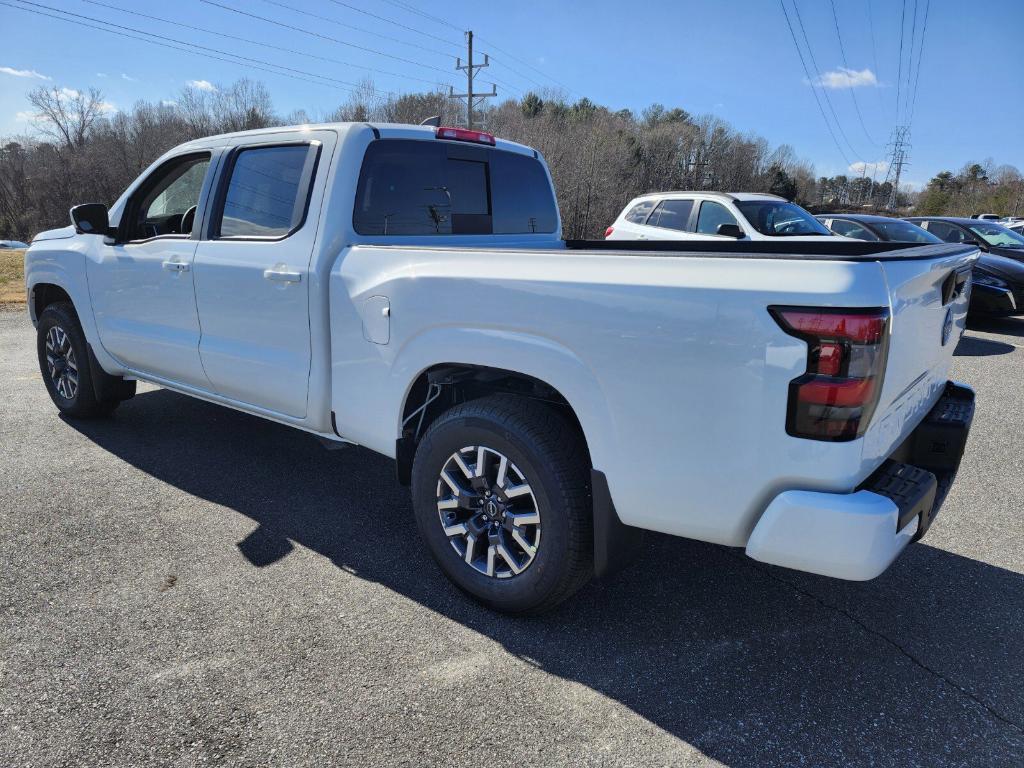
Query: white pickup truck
[(406, 288)]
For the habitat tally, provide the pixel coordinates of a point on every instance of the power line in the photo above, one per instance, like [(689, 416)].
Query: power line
[(189, 51), (899, 75), (824, 90), (424, 14), (192, 45), (392, 21), (357, 29), (324, 37), (920, 52), (910, 63), (257, 42), (874, 54), (814, 91), (437, 19), (853, 91)]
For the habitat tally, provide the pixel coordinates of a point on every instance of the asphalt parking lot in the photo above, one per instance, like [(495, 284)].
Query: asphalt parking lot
[(186, 585)]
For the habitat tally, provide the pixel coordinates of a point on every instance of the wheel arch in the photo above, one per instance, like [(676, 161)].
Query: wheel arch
[(59, 275), (489, 361)]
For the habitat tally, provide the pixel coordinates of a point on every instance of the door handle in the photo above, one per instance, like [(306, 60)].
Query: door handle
[(177, 266), (282, 275)]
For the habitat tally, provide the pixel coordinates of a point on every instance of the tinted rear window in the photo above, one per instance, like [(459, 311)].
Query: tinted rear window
[(638, 214), (672, 214), (409, 187), (267, 192)]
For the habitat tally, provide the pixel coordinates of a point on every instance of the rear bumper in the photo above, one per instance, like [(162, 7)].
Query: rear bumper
[(857, 535)]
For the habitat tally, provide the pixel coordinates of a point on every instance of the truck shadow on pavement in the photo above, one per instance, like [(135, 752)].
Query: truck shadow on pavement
[(750, 664)]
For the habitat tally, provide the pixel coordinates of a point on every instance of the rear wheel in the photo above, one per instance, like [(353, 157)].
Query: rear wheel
[(67, 365), (501, 495)]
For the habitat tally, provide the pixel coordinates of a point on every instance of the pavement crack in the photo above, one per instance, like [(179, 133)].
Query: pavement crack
[(995, 713)]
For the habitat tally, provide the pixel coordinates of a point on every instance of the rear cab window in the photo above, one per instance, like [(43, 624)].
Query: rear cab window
[(413, 187)]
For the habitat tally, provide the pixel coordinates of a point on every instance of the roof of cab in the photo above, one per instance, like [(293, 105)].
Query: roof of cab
[(382, 130)]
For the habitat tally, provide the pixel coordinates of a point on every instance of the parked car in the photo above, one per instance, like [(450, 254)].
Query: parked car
[(12, 244), (985, 216), (406, 288), (714, 216), (998, 282), (987, 235)]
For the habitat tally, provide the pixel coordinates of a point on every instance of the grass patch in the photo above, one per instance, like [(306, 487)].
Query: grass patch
[(12, 277)]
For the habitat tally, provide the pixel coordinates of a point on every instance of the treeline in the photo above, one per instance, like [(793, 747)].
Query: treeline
[(977, 188), (599, 158)]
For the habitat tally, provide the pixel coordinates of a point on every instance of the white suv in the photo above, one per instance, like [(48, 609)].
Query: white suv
[(715, 216)]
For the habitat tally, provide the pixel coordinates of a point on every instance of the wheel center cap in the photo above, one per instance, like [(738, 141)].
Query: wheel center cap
[(491, 508)]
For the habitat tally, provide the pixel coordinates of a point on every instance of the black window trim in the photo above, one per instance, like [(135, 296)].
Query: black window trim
[(312, 162), (154, 178)]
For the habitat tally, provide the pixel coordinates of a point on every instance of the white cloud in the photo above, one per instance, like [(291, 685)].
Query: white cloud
[(878, 167), (841, 77), (69, 93), (129, 78), (202, 85), (107, 108), (168, 103), (101, 74), (25, 117), (24, 73)]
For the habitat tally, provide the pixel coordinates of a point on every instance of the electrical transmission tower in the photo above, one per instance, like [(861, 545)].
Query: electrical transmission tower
[(470, 68), (899, 146)]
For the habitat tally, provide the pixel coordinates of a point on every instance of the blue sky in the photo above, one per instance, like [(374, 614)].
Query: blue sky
[(735, 59)]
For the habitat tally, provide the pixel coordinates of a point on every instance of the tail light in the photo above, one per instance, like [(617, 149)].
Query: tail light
[(608, 232), (463, 134), (846, 348)]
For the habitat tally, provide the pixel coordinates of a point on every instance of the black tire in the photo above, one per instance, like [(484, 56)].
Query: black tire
[(550, 455), (80, 401)]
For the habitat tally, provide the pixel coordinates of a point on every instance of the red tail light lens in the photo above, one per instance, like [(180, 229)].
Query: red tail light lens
[(462, 134), (608, 232), (846, 348)]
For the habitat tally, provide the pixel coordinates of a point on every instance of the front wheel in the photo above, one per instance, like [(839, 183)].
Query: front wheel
[(501, 496), (66, 364)]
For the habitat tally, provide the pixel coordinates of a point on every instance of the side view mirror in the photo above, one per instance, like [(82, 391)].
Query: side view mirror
[(978, 243), (730, 230), (90, 219)]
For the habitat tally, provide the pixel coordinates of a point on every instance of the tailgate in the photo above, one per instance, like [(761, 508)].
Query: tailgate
[(928, 304)]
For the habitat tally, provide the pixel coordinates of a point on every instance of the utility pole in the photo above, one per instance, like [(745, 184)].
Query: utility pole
[(470, 68), (900, 145)]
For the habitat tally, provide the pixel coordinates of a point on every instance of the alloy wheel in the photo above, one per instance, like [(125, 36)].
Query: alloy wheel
[(61, 363), (488, 511)]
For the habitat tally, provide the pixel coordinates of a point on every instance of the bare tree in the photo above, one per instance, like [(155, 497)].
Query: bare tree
[(65, 114)]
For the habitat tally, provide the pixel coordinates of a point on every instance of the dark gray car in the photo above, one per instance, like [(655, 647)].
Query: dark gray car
[(998, 281)]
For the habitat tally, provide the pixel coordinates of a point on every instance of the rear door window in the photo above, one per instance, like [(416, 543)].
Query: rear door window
[(852, 229), (947, 232), (409, 187), (672, 214), (267, 191), (712, 215)]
